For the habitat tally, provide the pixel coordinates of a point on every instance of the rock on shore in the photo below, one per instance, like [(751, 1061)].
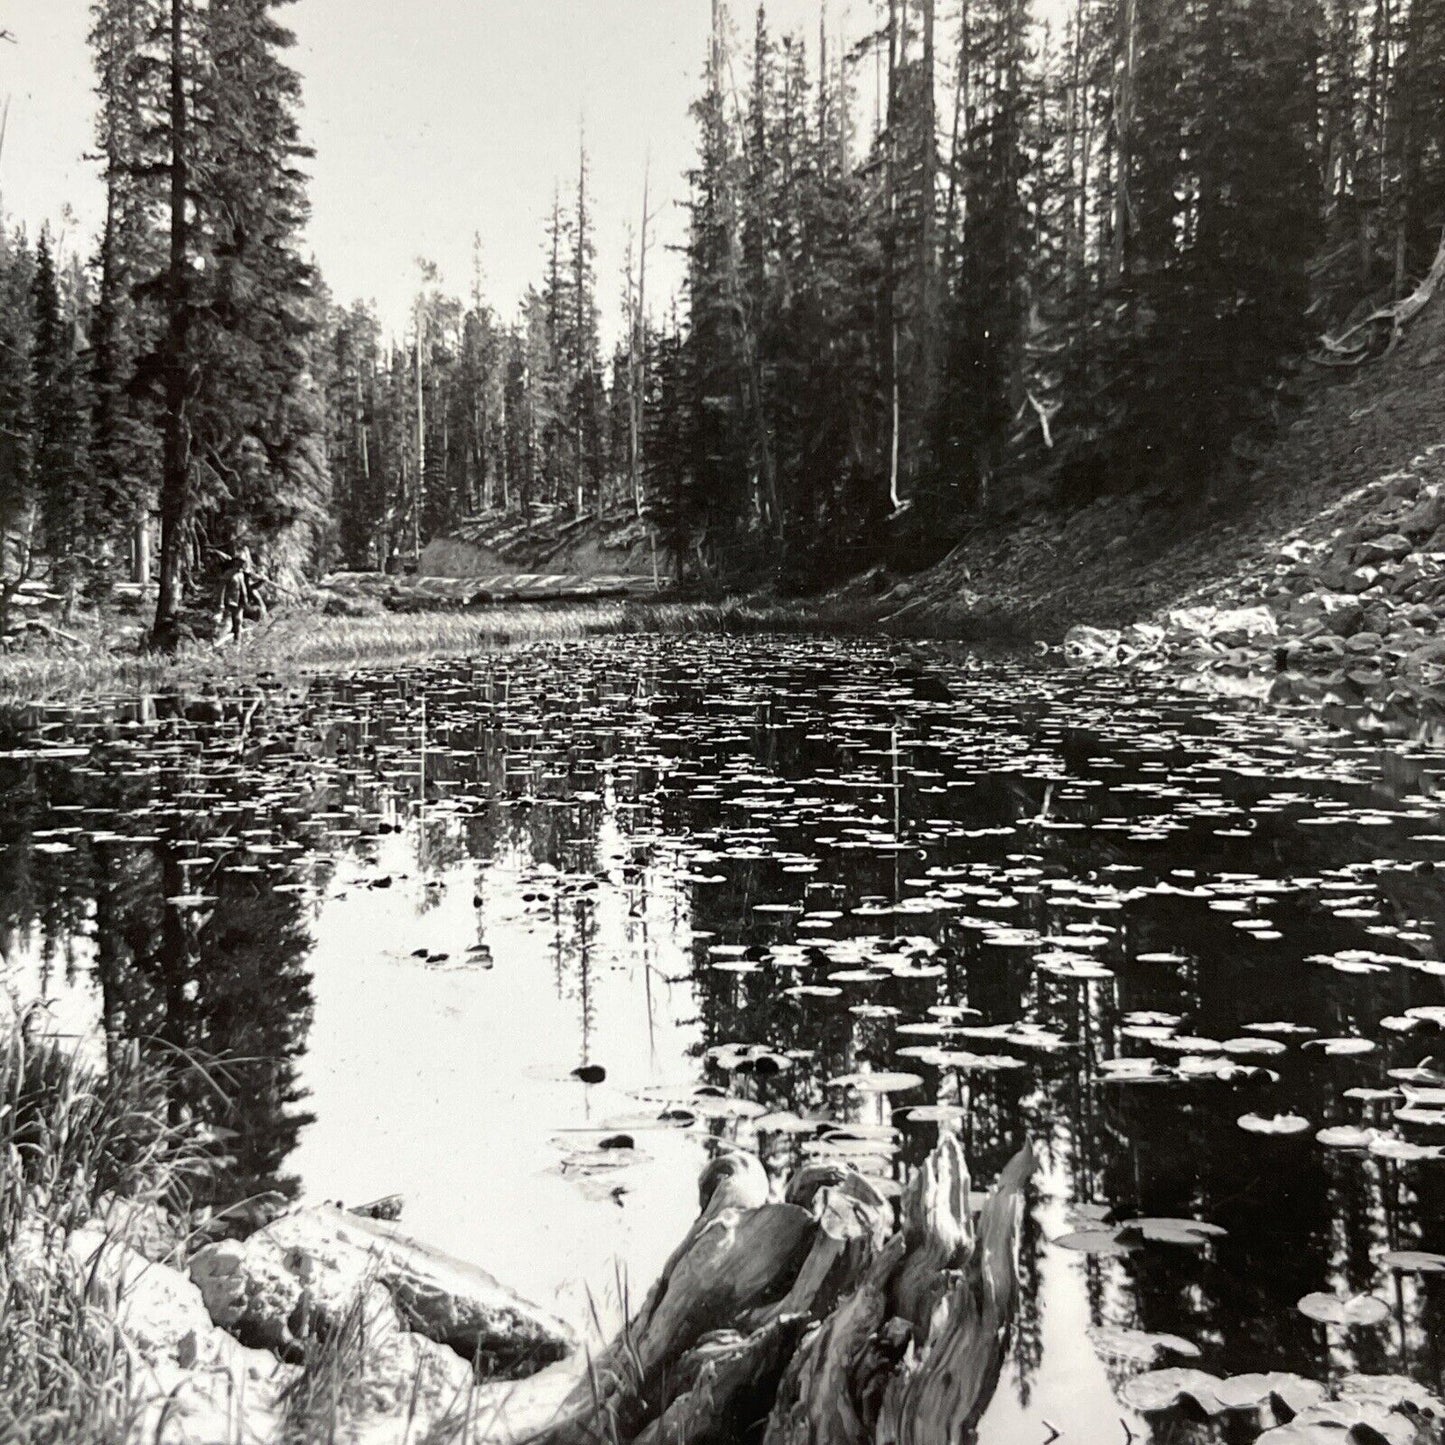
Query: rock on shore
[(218, 1344), (1347, 608), (301, 1274)]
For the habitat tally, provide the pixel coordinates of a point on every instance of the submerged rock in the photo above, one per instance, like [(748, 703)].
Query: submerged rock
[(300, 1276)]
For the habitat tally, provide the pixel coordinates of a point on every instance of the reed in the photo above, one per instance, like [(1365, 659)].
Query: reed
[(75, 1133)]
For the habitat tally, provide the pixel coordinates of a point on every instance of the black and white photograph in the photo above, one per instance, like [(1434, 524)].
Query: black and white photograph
[(722, 722)]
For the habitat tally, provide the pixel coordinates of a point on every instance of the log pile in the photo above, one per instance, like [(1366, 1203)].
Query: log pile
[(811, 1320)]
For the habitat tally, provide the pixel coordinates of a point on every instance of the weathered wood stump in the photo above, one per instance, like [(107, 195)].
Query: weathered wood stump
[(808, 1321)]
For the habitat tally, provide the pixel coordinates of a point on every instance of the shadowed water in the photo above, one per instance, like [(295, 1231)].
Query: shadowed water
[(819, 897)]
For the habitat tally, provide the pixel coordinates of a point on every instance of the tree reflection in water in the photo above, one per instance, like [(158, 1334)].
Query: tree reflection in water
[(1026, 885)]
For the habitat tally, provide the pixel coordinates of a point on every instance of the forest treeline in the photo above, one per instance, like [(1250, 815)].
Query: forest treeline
[(989, 253)]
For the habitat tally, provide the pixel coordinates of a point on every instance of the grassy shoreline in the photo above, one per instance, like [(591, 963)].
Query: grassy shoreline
[(300, 641)]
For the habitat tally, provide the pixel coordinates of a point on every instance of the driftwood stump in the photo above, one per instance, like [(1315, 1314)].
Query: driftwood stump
[(810, 1321)]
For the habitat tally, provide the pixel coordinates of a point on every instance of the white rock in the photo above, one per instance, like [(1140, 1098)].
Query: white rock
[(306, 1270)]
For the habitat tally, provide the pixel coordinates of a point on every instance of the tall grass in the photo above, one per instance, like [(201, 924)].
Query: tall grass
[(290, 641), (300, 640), (73, 1134)]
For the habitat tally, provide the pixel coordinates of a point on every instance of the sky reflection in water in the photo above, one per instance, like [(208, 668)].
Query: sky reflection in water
[(405, 907)]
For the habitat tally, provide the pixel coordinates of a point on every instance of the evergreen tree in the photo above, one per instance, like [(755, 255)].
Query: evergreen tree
[(125, 457), (18, 516), (259, 433), (989, 293), (60, 470)]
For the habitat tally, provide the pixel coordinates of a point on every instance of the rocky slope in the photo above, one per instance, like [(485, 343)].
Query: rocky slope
[(1344, 504)]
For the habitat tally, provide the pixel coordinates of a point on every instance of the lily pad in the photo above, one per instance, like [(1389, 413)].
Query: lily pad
[(1414, 1261), (1140, 1346), (1161, 1390), (1279, 1124), (1345, 1312), (1094, 1241)]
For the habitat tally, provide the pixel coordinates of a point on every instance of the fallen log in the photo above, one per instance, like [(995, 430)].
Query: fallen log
[(812, 1321), (1352, 347)]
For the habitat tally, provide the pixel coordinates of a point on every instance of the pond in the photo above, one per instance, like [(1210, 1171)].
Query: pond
[(517, 937)]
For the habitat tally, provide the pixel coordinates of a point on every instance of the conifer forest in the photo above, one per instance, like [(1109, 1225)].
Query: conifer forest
[(988, 250), (722, 723)]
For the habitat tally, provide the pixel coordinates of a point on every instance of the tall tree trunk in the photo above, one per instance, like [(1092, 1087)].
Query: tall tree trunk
[(637, 347), (928, 231), (960, 110), (580, 357), (420, 437), (141, 550), (765, 493), (1127, 63), (891, 261), (176, 498)]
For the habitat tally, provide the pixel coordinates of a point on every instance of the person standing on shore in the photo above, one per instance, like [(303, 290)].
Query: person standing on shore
[(241, 599)]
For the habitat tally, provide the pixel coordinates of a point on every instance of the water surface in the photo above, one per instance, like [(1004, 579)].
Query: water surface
[(818, 897)]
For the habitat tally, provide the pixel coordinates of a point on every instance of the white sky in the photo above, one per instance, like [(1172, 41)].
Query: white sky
[(432, 120)]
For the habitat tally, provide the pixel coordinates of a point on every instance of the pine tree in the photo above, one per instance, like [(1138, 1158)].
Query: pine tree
[(259, 436), (18, 513), (359, 489), (231, 309), (1420, 144), (988, 310), (60, 466), (125, 458), (1225, 192)]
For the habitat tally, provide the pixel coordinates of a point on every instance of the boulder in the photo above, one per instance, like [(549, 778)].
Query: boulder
[(160, 1312), (187, 1374), (253, 1293), (1215, 623), (303, 1273), (1342, 612), (1092, 644), (401, 1370), (1430, 653), (1142, 638), (1392, 547)]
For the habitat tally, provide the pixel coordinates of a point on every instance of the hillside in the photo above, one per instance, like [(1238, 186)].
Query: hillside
[(1344, 517), (544, 539)]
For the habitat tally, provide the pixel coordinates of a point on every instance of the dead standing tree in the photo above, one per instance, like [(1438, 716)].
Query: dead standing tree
[(810, 1315)]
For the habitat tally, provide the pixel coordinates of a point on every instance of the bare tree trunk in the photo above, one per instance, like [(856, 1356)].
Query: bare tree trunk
[(420, 434), (141, 561), (580, 359), (637, 349), (891, 260), (928, 231), (176, 499), (1124, 132), (765, 489), (960, 100)]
